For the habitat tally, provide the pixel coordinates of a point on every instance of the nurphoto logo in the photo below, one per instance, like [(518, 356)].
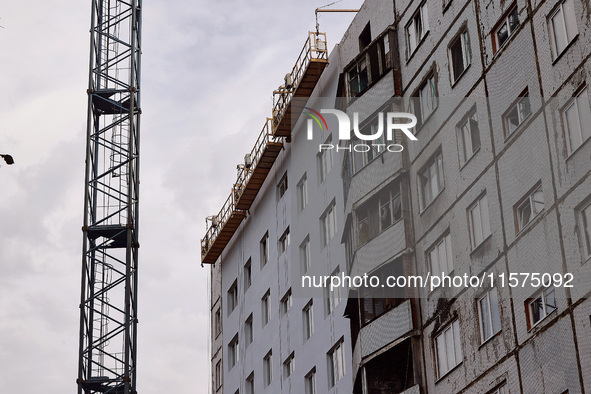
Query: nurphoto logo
[(393, 122)]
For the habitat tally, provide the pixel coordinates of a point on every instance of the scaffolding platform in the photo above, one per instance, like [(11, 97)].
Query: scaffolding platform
[(300, 82)]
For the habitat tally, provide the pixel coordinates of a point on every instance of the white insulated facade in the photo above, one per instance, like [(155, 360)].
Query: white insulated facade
[(266, 340)]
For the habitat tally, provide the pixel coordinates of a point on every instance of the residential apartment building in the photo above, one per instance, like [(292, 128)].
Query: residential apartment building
[(497, 185), (266, 336)]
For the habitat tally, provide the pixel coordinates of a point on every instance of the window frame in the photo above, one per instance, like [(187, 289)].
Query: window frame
[(310, 382), (528, 200), (286, 302), (471, 225), (248, 331), (268, 368), (249, 387), (418, 101), (585, 219), (332, 297), (324, 161), (336, 363), (566, 23), (576, 103), (443, 241), (482, 319), (421, 15), (454, 328), (539, 295), (302, 188), (284, 241), (308, 320), (437, 161), (217, 322), (522, 99), (289, 366), (247, 274), (232, 296), (218, 374), (465, 54), (282, 186), (305, 256), (469, 121), (328, 224), (264, 247), (233, 352), (505, 22), (266, 307)]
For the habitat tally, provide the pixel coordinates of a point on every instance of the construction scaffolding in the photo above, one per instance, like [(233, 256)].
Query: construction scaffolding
[(252, 174), (108, 303)]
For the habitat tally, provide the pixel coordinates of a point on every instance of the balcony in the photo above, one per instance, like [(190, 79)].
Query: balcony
[(299, 83)]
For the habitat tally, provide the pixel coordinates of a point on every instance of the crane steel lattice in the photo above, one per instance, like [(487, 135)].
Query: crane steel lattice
[(108, 306)]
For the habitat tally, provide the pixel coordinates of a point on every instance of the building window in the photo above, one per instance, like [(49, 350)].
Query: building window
[(515, 116), (563, 27), (459, 56), (488, 312), (302, 193), (310, 381), (479, 221), (378, 214), (305, 255), (284, 241), (375, 301), (218, 375), (441, 257), (232, 297), (577, 118), (248, 331), (448, 348), (529, 208), (328, 224), (247, 275), (233, 352), (217, 322), (540, 306), (264, 250), (336, 363), (586, 224), (431, 178), (362, 158), (286, 302), (266, 307), (505, 28), (469, 136), (268, 368), (250, 384), (308, 321), (369, 66), (282, 186), (288, 366), (417, 28), (332, 297), (424, 101), (324, 159)]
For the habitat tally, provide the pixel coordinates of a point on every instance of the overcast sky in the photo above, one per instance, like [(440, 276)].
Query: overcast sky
[(209, 69)]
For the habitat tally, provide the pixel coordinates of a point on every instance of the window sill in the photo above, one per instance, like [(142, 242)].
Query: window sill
[(418, 46), (489, 339), (432, 201), (577, 149), (539, 322), (469, 158), (453, 83), (479, 246), (571, 43), (448, 372)]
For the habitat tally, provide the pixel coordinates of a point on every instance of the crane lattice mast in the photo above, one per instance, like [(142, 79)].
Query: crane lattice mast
[(108, 306)]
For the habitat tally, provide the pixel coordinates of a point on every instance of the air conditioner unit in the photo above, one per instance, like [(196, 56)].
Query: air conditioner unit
[(247, 160), (288, 81)]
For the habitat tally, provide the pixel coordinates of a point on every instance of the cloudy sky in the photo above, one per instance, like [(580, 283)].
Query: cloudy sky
[(209, 69)]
